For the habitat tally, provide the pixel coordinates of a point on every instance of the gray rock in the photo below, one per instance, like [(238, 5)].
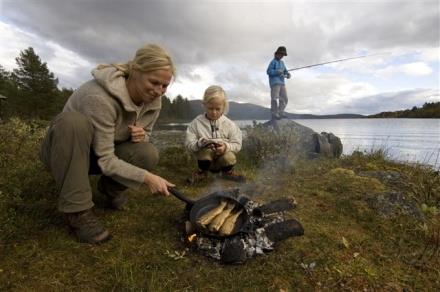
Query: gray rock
[(309, 142), (394, 203), (385, 176)]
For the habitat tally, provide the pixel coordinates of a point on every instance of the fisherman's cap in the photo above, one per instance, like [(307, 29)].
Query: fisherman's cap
[(281, 50)]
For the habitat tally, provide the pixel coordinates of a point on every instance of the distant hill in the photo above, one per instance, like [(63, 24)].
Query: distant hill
[(249, 111), (428, 110)]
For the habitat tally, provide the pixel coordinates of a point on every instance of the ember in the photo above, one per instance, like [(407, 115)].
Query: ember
[(192, 237), (268, 225)]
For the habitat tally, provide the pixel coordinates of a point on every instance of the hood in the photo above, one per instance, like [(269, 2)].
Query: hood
[(113, 81), (204, 119)]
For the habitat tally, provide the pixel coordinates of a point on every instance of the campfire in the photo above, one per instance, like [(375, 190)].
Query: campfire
[(233, 232)]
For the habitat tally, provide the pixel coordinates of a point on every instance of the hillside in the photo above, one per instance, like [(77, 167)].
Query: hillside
[(428, 110)]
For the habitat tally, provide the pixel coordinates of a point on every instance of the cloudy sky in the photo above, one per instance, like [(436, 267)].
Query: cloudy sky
[(230, 43)]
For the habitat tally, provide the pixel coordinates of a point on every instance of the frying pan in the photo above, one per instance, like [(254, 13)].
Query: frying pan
[(198, 208)]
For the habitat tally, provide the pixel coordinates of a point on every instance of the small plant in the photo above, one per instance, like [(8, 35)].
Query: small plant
[(261, 144)]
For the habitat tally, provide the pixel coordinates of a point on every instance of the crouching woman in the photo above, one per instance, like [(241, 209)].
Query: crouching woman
[(213, 138), (105, 128)]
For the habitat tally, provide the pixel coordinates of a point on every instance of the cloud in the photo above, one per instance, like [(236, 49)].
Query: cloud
[(398, 100), (430, 54), (411, 69), (70, 68), (230, 43), (325, 94)]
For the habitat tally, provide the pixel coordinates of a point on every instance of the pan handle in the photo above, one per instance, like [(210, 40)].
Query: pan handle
[(181, 196)]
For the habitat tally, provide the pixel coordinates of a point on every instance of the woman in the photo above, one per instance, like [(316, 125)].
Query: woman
[(105, 128)]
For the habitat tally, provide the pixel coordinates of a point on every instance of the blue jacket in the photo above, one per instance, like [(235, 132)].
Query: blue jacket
[(273, 71)]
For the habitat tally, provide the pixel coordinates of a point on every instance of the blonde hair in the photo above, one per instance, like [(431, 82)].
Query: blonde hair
[(150, 57), (215, 91)]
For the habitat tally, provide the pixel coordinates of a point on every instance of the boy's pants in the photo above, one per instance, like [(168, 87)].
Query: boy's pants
[(278, 91), (217, 162)]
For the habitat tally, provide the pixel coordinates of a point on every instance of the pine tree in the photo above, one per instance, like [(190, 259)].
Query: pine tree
[(38, 86)]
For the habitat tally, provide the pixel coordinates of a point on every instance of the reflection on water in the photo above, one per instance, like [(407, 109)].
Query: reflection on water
[(412, 140)]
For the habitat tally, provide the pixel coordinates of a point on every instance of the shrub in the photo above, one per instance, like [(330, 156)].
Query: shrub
[(263, 144), (22, 175)]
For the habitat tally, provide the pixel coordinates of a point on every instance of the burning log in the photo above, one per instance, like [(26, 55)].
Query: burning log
[(218, 221), (229, 223), (210, 215)]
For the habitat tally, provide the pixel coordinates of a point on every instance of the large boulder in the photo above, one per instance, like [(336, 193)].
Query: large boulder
[(310, 143)]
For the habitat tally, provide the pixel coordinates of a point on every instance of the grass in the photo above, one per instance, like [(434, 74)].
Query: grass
[(346, 246)]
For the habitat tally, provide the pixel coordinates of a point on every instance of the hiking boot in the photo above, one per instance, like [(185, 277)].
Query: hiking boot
[(231, 175), (86, 227), (117, 200), (197, 176)]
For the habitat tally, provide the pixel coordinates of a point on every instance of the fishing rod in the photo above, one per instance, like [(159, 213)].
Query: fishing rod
[(340, 60)]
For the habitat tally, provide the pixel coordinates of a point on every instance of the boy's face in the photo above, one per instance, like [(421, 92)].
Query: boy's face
[(279, 56), (214, 108)]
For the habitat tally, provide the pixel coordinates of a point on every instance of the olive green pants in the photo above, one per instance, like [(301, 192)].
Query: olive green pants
[(67, 152), (217, 162)]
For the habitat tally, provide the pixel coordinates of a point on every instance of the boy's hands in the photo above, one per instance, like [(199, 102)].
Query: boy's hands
[(219, 148)]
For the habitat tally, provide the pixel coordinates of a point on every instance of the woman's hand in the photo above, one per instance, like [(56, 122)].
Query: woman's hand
[(137, 134), (157, 184)]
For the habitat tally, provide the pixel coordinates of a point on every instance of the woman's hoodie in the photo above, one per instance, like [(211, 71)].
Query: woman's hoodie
[(105, 101)]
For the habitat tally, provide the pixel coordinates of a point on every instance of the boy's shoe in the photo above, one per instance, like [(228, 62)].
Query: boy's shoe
[(117, 200), (86, 227), (275, 116), (197, 176), (231, 175)]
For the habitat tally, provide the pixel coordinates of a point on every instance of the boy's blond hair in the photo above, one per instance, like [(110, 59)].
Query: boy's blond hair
[(215, 91)]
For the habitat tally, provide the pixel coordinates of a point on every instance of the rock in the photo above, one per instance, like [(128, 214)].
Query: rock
[(311, 143), (394, 203), (386, 176)]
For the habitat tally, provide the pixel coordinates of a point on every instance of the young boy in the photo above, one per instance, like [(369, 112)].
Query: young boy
[(277, 72), (214, 138)]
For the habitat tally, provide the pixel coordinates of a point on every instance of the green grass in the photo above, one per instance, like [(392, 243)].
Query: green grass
[(346, 245)]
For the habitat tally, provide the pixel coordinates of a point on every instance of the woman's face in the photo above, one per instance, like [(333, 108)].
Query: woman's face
[(146, 87), (214, 108)]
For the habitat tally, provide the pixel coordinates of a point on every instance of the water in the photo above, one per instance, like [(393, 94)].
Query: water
[(409, 140)]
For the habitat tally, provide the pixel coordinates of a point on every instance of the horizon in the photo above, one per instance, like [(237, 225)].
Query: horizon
[(324, 114), (404, 71)]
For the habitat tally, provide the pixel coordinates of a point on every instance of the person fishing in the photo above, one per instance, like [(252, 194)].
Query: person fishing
[(277, 72), (105, 128)]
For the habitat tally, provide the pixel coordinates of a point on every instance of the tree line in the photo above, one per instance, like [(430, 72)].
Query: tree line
[(31, 92), (428, 110)]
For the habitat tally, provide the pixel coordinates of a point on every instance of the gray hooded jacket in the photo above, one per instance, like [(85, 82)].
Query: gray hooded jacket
[(223, 130), (106, 102)]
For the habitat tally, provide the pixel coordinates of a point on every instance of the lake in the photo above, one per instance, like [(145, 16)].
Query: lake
[(410, 140)]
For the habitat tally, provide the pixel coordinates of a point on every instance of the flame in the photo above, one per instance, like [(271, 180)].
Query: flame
[(192, 237)]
